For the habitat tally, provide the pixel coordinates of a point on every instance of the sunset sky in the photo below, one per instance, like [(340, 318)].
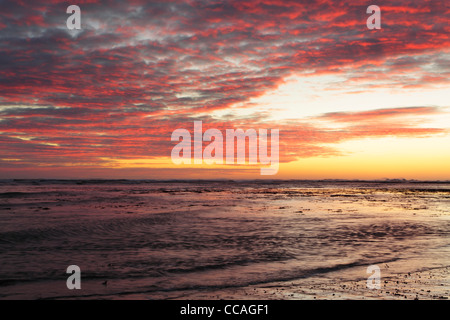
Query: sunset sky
[(103, 101)]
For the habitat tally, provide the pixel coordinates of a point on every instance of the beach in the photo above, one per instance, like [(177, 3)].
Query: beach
[(224, 239)]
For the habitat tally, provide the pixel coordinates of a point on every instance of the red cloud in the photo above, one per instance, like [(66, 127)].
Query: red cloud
[(122, 88), (379, 114)]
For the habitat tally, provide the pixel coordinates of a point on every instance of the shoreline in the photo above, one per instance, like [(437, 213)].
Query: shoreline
[(430, 284)]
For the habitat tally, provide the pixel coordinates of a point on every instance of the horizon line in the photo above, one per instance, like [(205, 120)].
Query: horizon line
[(392, 180)]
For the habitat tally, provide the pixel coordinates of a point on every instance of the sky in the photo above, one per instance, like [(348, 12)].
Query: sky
[(103, 101)]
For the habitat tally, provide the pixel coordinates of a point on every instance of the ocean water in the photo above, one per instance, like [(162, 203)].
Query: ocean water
[(173, 239)]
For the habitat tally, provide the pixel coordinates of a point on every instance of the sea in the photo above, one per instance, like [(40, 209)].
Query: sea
[(151, 239)]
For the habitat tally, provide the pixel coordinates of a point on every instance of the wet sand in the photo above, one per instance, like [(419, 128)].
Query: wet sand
[(432, 284)]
